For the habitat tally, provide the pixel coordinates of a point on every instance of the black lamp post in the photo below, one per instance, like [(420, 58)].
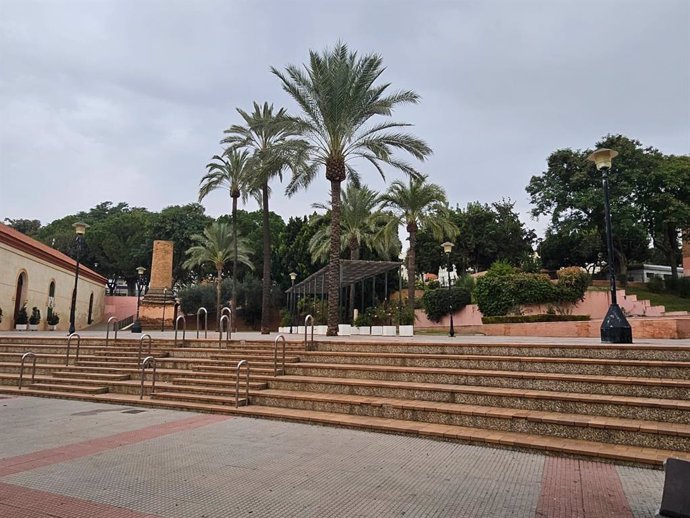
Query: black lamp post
[(447, 248), (142, 282), (80, 229), (293, 276), (615, 327)]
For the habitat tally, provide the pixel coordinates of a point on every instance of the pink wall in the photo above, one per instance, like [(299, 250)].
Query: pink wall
[(120, 307)]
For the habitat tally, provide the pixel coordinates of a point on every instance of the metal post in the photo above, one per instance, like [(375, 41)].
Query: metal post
[(79, 242), (451, 332), (165, 294), (275, 355), (116, 323), (198, 321), (292, 304)]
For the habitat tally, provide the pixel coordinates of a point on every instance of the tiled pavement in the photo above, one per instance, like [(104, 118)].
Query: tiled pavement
[(76, 459)]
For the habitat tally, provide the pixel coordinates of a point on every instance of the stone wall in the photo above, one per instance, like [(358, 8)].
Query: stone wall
[(161, 265)]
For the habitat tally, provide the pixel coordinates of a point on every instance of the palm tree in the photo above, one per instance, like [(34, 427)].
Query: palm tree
[(230, 172), (216, 246), (268, 139), (419, 204), (338, 99)]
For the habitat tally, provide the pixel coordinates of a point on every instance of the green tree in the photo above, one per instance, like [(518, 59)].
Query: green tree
[(419, 204), (338, 100), (230, 172), (268, 137), (26, 226), (216, 246)]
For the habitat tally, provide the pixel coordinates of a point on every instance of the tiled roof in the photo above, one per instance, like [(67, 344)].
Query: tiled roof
[(16, 239)]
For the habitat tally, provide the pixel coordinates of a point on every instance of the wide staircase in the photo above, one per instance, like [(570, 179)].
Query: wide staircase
[(625, 403)]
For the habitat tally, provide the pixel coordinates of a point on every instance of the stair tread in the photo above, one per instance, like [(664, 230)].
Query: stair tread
[(65, 387)]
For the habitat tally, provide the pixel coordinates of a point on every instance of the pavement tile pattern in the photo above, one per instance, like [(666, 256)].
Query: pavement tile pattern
[(178, 464)]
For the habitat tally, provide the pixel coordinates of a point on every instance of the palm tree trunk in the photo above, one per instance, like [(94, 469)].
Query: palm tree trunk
[(233, 300), (334, 261), (266, 284), (219, 272), (411, 264)]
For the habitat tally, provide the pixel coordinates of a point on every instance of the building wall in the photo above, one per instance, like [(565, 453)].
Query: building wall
[(39, 274)]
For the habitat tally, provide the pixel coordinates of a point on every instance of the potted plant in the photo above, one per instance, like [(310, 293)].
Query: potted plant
[(405, 317), (53, 320), (34, 319), (21, 323), (363, 323)]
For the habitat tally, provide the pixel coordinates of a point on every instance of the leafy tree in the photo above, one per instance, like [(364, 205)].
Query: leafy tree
[(419, 204), (338, 100), (26, 226), (268, 137), (569, 247), (233, 173), (216, 247)]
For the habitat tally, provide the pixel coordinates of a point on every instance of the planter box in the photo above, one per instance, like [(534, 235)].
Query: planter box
[(298, 329), (21, 327), (354, 330), (406, 331), (365, 330), (52, 327), (344, 329), (389, 330), (283, 329), (376, 330), (320, 330), (33, 327)]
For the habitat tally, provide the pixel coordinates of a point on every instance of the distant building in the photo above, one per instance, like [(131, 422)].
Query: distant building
[(647, 272), (38, 275)]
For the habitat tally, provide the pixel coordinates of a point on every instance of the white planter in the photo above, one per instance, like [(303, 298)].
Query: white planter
[(388, 330), (376, 330), (354, 330), (33, 327), (320, 330), (344, 329), (52, 327), (21, 327), (298, 329), (406, 331), (365, 330)]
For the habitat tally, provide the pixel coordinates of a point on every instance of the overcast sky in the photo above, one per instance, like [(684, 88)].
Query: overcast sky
[(127, 100)]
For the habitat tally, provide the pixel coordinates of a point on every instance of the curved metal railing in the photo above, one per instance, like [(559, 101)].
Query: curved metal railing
[(184, 328), (198, 314), (69, 344), (237, 384), (149, 361), (115, 322), (275, 355), (307, 319), (141, 344), (225, 319), (21, 368), (228, 312)]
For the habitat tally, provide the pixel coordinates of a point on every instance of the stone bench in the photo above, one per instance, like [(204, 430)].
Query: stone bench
[(675, 502)]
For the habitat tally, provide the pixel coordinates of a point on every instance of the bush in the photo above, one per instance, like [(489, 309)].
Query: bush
[(684, 287), (35, 317), (22, 316), (437, 303), (656, 285), (198, 296), (572, 284), (53, 318), (519, 319)]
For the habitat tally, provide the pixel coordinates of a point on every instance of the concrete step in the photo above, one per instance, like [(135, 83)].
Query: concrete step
[(200, 398), (106, 376), (202, 385), (63, 387), (571, 426), (667, 410)]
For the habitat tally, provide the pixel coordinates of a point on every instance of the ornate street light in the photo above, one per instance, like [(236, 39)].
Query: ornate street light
[(615, 327), (80, 230), (142, 282), (447, 248), (293, 276)]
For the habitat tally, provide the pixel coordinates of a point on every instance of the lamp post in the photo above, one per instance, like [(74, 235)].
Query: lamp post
[(615, 327), (165, 300), (142, 282), (447, 248), (80, 230), (293, 276)]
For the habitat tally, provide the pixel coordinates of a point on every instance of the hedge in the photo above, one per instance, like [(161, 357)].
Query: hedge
[(520, 319), (437, 302)]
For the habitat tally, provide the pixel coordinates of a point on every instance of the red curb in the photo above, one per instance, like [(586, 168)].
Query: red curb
[(574, 488), (50, 456), (22, 502)]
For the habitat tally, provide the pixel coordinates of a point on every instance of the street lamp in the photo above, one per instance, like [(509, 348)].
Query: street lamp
[(293, 276), (447, 248), (80, 230), (615, 327), (142, 282)]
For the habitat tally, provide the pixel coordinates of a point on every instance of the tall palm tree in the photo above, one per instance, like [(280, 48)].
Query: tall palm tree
[(419, 204), (216, 246), (338, 99), (268, 138), (230, 172)]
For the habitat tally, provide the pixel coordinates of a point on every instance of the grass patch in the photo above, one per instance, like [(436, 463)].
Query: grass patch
[(668, 300)]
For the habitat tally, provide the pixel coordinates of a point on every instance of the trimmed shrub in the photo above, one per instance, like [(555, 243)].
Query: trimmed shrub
[(197, 296), (572, 284), (520, 319), (437, 303)]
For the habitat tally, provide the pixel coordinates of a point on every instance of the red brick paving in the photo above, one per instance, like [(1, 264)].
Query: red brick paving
[(50, 456), (579, 489), (22, 502)]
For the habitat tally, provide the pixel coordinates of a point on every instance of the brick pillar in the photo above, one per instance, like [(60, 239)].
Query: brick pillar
[(686, 255), (161, 265)]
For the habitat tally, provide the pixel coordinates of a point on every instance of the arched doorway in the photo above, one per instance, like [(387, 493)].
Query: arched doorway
[(90, 319), (20, 294)]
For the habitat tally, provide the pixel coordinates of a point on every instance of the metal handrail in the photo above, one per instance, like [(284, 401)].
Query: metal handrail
[(275, 355), (21, 368), (115, 322), (141, 343), (198, 313), (224, 318), (311, 344), (184, 328), (69, 343), (237, 383), (227, 312), (149, 360)]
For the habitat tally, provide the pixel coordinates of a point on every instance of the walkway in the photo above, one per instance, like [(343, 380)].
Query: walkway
[(75, 459)]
